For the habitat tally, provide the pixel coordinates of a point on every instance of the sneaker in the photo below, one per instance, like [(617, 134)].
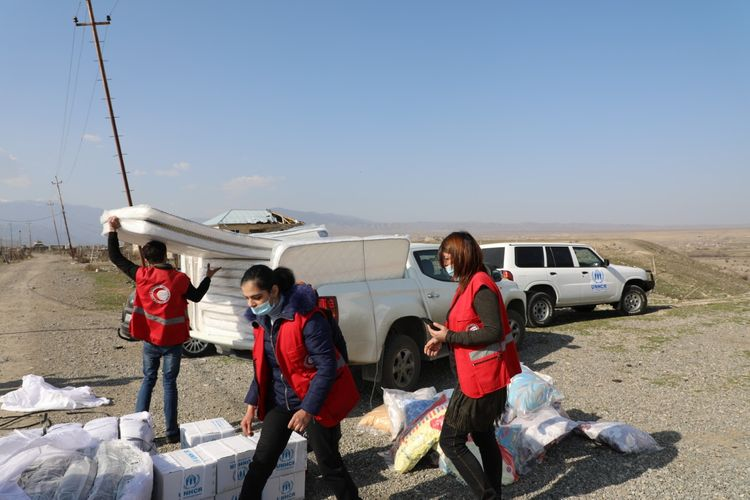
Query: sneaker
[(175, 438)]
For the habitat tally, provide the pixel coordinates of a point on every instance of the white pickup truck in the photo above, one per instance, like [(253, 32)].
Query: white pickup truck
[(379, 287), (379, 315)]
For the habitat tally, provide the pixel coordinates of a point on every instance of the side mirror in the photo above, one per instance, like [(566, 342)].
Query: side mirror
[(606, 262)]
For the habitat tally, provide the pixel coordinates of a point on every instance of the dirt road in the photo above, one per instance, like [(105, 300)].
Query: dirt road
[(681, 373)]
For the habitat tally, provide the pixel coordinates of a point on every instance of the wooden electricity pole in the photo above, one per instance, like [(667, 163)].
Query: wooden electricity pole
[(54, 222), (65, 219), (93, 23)]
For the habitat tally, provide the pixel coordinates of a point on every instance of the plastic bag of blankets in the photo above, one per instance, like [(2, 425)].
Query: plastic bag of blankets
[(75, 462)]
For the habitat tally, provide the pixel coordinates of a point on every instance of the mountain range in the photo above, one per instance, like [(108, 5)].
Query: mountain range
[(83, 223)]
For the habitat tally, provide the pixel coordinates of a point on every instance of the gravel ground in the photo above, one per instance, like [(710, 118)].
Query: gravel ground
[(680, 372)]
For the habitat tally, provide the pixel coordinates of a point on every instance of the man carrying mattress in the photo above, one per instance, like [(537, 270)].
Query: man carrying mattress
[(159, 318)]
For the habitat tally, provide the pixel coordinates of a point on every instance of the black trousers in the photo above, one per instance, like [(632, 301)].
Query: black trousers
[(273, 438), (485, 484)]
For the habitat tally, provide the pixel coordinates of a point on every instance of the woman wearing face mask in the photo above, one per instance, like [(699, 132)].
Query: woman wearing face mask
[(482, 355), (301, 383)]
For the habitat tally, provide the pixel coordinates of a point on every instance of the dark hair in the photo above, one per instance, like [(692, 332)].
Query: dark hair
[(155, 252), (265, 277), (466, 255)]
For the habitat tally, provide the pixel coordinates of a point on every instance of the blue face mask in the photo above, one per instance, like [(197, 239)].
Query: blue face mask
[(449, 270), (262, 309)]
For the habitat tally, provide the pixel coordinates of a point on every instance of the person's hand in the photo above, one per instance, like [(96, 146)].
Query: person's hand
[(300, 420), (432, 347), (114, 223), (438, 334), (247, 421), (210, 272)]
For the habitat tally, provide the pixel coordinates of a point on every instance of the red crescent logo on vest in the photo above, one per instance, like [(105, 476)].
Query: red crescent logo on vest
[(472, 328), (160, 294)]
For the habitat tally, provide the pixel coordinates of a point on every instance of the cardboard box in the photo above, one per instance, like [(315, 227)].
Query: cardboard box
[(229, 495), (184, 474), (277, 488), (195, 433), (233, 456), (285, 487), (294, 456)]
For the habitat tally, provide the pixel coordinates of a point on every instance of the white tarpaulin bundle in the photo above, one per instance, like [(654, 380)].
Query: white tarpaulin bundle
[(37, 395), (70, 463)]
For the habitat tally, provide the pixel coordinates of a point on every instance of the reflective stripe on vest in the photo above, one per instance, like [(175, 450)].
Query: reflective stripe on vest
[(164, 321), (494, 348)]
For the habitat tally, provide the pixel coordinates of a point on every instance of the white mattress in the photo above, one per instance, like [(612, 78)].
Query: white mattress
[(142, 223)]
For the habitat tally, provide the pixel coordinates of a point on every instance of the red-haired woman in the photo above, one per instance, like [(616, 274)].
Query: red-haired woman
[(483, 356)]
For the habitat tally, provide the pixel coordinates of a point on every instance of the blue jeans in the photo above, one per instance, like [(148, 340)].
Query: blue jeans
[(152, 355)]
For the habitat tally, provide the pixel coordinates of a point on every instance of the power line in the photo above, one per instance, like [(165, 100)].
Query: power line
[(26, 221), (93, 23), (67, 99)]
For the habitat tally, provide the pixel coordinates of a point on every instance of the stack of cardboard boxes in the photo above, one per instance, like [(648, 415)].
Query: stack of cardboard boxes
[(216, 468)]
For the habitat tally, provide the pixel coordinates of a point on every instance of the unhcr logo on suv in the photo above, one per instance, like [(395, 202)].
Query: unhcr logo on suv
[(597, 277)]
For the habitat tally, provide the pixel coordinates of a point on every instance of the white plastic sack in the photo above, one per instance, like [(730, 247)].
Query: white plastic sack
[(104, 428), (13, 443), (123, 472), (528, 392), (509, 475), (138, 430), (115, 469), (27, 447), (622, 437), (543, 428), (35, 395), (396, 400)]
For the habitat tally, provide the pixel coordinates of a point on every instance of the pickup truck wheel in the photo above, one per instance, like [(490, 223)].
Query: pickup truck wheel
[(584, 309), (540, 309), (633, 300), (401, 363), (517, 326), (194, 348)]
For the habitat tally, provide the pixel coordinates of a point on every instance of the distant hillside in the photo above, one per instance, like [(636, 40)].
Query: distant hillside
[(678, 276), (83, 222), (344, 224), (85, 228)]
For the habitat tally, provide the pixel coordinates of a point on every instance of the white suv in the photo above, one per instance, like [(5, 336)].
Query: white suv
[(556, 275)]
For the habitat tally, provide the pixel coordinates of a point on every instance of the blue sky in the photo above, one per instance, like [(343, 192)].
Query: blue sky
[(631, 112)]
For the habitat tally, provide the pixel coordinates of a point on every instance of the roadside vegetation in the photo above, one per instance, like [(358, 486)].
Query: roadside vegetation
[(111, 287)]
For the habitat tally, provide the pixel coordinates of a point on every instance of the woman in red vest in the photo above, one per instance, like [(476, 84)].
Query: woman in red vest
[(483, 356), (301, 383)]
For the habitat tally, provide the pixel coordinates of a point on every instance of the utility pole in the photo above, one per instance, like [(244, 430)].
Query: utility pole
[(93, 25), (65, 219), (28, 225), (54, 222)]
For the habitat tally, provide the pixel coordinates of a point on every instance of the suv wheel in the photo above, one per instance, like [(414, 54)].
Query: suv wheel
[(541, 309), (633, 300), (401, 363), (517, 326), (193, 348)]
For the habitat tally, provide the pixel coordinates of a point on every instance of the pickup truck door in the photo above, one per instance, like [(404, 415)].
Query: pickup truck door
[(437, 287), (598, 285)]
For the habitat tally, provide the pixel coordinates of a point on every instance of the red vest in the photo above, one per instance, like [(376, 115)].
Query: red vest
[(291, 354), (481, 369), (160, 308)]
